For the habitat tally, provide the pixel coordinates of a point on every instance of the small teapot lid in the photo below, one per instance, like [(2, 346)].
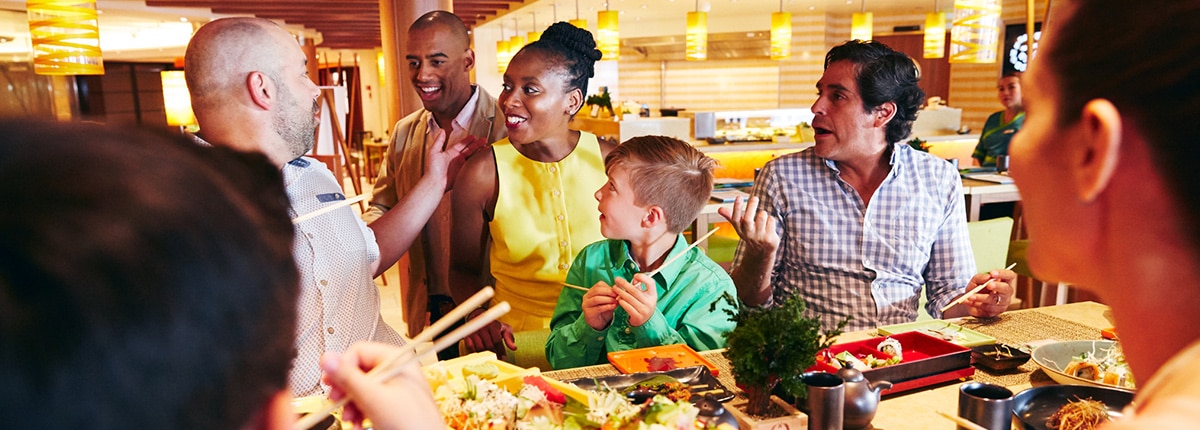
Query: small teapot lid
[(849, 374)]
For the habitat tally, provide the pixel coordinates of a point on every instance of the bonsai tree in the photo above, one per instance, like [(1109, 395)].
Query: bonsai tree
[(773, 346)]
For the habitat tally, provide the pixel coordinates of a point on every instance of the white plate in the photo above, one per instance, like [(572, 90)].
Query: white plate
[(1054, 357)]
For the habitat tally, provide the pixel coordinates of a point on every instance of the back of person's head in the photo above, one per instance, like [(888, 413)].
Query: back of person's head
[(884, 75), (440, 19), (222, 52), (572, 47), (1149, 70), (145, 281), (668, 173)]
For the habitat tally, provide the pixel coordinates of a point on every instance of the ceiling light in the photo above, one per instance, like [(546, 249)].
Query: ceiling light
[(975, 36)]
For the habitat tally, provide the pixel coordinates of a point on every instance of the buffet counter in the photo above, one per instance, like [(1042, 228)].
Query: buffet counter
[(918, 409)]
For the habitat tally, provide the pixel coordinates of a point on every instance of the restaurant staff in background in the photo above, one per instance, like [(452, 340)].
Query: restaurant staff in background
[(145, 282), (859, 224), (526, 209), (439, 59), (250, 91), (1106, 164), (999, 128)]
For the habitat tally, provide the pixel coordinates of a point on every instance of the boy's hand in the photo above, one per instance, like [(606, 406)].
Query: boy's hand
[(598, 305), (639, 299)]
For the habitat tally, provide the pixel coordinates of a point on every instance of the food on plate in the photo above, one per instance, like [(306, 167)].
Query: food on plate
[(860, 362), (1085, 414), (483, 370), (662, 385), (1107, 366), (660, 364), (949, 333), (891, 346)]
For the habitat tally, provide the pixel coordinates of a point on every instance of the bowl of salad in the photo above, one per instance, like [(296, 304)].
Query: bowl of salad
[(1097, 363)]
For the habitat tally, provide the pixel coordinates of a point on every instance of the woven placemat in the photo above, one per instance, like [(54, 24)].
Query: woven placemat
[(1017, 328)]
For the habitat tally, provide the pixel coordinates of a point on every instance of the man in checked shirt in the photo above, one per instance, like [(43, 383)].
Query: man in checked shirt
[(860, 222)]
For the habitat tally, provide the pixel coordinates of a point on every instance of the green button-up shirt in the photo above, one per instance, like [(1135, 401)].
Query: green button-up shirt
[(690, 307)]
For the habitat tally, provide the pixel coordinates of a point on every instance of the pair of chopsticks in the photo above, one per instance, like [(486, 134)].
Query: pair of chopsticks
[(965, 423), (664, 265), (964, 297), (393, 365), (331, 207)]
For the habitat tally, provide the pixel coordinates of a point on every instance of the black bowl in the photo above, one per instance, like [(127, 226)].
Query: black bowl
[(1032, 407), (998, 356)]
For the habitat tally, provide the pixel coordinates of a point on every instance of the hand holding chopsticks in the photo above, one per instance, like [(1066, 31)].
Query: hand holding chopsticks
[(977, 289), (392, 366)]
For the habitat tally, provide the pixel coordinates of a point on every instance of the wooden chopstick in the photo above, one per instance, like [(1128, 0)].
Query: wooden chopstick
[(331, 207), (394, 363), (964, 297), (681, 254), (965, 423), (575, 287)]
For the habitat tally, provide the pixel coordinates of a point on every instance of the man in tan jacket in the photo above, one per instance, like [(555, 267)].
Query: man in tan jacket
[(439, 61)]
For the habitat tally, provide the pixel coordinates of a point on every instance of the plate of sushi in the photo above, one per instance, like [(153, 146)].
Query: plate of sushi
[(1097, 363)]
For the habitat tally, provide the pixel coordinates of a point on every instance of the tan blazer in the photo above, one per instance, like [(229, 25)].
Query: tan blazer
[(401, 169)]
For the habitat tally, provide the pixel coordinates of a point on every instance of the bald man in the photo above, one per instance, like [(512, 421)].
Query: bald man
[(250, 91), (439, 60)]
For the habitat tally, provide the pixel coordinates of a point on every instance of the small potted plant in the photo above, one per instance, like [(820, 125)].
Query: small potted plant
[(773, 346), (603, 101)]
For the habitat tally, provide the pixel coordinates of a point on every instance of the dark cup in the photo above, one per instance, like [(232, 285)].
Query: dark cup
[(988, 405), (826, 400), (1001, 163)]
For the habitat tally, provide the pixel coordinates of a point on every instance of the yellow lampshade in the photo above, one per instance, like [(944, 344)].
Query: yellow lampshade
[(935, 35), (861, 24), (975, 36), (65, 36), (533, 36), (581, 23), (781, 35), (697, 36), (515, 44), (502, 56), (608, 36), (176, 100)]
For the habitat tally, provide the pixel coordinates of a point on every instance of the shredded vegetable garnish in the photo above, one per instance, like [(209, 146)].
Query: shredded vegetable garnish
[(1079, 414)]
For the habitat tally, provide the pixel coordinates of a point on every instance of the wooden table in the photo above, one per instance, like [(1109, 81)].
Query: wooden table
[(975, 194), (918, 409)]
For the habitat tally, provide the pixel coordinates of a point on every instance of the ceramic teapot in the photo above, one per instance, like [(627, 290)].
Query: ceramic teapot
[(862, 397)]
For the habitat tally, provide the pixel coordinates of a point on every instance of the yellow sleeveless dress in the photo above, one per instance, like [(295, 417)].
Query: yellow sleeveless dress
[(545, 214)]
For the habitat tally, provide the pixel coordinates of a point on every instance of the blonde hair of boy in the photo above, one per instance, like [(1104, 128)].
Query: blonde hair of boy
[(668, 173)]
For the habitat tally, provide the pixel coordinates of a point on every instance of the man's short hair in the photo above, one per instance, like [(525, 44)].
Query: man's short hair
[(884, 75), (668, 173), (145, 281)]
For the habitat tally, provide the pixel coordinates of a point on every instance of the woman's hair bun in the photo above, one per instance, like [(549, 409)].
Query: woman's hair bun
[(573, 38)]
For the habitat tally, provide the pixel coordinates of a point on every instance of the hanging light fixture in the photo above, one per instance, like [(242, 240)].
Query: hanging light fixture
[(503, 55), (516, 42), (534, 35), (697, 34), (65, 36), (935, 33), (608, 39), (861, 23), (975, 36), (581, 23), (176, 100), (781, 34)]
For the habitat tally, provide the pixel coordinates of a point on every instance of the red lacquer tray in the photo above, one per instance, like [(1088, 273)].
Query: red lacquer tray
[(927, 361)]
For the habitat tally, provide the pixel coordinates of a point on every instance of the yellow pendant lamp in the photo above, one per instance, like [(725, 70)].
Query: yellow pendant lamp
[(608, 36), (66, 37), (534, 35), (503, 54), (935, 34), (176, 99), (581, 23), (861, 23), (697, 34), (781, 34), (975, 35)]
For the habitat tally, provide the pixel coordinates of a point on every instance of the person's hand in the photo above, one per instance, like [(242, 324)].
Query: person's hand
[(598, 305), (403, 402), (755, 227), (993, 299), (445, 160), (491, 337), (639, 299)]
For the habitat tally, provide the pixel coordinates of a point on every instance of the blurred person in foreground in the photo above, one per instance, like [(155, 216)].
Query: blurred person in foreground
[(250, 91), (860, 223), (145, 282), (1107, 171), (440, 60), (1000, 126)]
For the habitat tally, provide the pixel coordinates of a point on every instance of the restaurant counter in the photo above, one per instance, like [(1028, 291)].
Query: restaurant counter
[(918, 409)]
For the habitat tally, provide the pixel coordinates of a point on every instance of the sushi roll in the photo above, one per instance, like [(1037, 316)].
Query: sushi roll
[(892, 347)]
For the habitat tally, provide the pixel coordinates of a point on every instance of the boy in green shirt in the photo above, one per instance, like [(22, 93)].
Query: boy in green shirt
[(656, 187)]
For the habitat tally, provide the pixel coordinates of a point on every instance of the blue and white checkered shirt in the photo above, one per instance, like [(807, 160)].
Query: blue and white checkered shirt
[(867, 262)]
